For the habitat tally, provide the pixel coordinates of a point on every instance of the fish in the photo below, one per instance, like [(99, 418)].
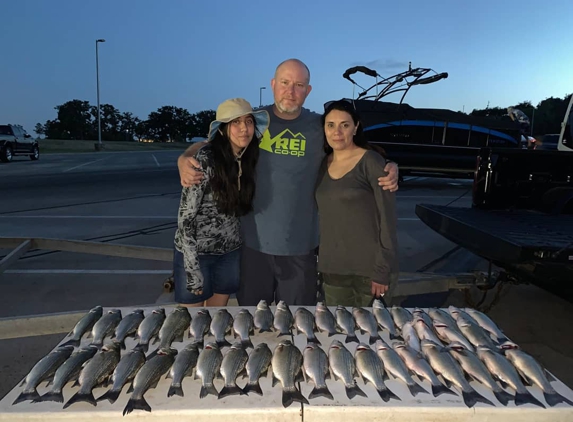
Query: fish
[(456, 313), (123, 374), (148, 377), (346, 322), (257, 366), (487, 324), (96, 372), (475, 368), (342, 366), (371, 368), (400, 316), (315, 366), (174, 327), (105, 326), (502, 370), (183, 366), (475, 334), (263, 318), (199, 326), (443, 317), (221, 325), (304, 323), (425, 332), (243, 327), (420, 366), (283, 319), (449, 335), (149, 328), (325, 321), (384, 318), (68, 371), (208, 366), (84, 325), (233, 364), (128, 326), (419, 313), (366, 323), (287, 369), (393, 364), (528, 367), (410, 336), (444, 364), (43, 370)]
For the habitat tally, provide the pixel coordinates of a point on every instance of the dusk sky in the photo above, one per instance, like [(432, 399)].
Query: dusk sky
[(195, 54)]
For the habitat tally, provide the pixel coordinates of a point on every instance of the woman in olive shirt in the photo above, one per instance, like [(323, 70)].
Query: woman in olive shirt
[(358, 248)]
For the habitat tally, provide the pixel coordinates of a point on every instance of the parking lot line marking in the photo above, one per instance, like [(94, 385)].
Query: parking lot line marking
[(156, 162), (95, 217), (84, 164), (69, 271)]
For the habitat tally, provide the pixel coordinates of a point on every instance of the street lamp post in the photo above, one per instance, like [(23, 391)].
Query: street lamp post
[(97, 80), (261, 96)]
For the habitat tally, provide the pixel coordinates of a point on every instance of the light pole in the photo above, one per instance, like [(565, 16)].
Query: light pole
[(97, 80), (261, 96)]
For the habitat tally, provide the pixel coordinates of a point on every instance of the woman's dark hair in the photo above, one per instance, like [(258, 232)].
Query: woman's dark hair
[(229, 198), (359, 139)]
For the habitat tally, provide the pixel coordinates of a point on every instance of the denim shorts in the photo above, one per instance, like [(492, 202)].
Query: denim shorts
[(221, 275)]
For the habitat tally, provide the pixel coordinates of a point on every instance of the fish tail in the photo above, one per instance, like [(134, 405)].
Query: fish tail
[(208, 389), (439, 389), (321, 392), (290, 396), (553, 398), (351, 338), (472, 397), (110, 395), (79, 396), (416, 388), (332, 333), (56, 396), (133, 404), (526, 397), (72, 342), (254, 387), (503, 397), (144, 347), (314, 340), (287, 333), (175, 389), (29, 395), (223, 343), (265, 330), (247, 343), (231, 390), (374, 338), (386, 395), (354, 391)]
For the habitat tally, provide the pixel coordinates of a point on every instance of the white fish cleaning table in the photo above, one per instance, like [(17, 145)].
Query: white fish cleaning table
[(423, 407)]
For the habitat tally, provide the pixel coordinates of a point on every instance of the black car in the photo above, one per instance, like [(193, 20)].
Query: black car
[(14, 140)]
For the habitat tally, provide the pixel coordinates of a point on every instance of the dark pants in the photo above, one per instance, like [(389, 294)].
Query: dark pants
[(276, 277), (354, 290)]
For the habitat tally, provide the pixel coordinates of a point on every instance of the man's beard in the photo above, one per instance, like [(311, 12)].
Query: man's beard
[(288, 110)]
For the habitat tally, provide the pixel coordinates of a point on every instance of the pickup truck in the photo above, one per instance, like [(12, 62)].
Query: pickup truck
[(14, 140)]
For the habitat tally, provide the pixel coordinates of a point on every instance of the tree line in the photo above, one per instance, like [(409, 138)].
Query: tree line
[(77, 119)]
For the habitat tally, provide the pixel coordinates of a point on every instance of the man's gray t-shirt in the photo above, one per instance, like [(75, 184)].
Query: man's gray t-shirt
[(284, 220)]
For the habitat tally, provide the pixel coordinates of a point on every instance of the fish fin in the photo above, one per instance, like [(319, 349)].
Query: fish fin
[(133, 404), (90, 334), (253, 388), (416, 388), (386, 395), (50, 396), (522, 398), (374, 338), (290, 396), (265, 330), (314, 340), (396, 337), (299, 376), (110, 395), (362, 332), (122, 344), (332, 333), (75, 343), (232, 390), (130, 389), (524, 378), (76, 383), (503, 383), (23, 382), (219, 376), (175, 390), (554, 398), (144, 347), (447, 382), (247, 343), (87, 397), (334, 376), (206, 390), (284, 334), (154, 385), (549, 377), (439, 389), (155, 339), (168, 376), (275, 380), (223, 343), (354, 391), (351, 338), (503, 397), (472, 397), (152, 354), (385, 377), (33, 395), (321, 392)]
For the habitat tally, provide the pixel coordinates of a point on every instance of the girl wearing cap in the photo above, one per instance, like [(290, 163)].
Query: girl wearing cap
[(207, 240)]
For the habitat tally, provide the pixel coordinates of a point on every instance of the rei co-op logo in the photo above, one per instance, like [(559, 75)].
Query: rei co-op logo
[(285, 143)]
